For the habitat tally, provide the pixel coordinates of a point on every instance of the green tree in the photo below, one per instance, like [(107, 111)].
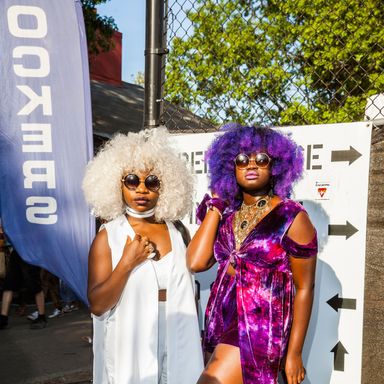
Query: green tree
[(139, 78), (278, 62), (99, 29)]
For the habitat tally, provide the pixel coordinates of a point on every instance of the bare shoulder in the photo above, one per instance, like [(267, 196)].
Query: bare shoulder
[(100, 240), (301, 230), (100, 259), (100, 251)]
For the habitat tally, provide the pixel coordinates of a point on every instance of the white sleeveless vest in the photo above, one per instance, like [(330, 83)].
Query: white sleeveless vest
[(125, 338)]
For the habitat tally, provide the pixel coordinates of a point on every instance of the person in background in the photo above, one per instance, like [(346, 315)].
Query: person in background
[(140, 291), (68, 297), (63, 298), (19, 272), (50, 284), (265, 246), (2, 253)]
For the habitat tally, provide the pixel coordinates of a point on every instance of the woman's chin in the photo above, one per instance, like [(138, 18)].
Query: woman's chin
[(254, 188)]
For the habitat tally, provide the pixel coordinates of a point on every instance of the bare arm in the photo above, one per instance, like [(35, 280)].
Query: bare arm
[(104, 284), (303, 271), (200, 249)]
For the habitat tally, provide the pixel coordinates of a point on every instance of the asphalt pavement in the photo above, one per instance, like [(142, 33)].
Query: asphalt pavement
[(59, 353)]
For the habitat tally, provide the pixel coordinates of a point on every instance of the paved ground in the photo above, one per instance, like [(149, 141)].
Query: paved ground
[(54, 355)]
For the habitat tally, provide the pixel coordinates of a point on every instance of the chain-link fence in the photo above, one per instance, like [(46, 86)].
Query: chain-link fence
[(273, 62)]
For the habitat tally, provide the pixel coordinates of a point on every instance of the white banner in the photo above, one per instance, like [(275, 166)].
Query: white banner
[(334, 191)]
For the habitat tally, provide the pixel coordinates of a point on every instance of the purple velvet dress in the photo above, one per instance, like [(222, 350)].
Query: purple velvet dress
[(253, 309)]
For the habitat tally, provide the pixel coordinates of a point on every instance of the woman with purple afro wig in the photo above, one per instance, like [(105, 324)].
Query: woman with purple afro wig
[(286, 167), (265, 246)]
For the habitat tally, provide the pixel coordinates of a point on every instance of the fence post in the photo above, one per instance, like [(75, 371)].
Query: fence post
[(154, 51)]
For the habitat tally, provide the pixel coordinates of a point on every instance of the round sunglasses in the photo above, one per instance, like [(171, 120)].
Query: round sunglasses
[(132, 181), (261, 160)]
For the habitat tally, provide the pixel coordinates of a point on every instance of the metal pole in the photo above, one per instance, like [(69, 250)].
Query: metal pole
[(163, 59), (154, 51)]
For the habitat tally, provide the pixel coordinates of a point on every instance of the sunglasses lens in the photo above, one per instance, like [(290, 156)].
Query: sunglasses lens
[(262, 160), (152, 182), (131, 181), (242, 160)]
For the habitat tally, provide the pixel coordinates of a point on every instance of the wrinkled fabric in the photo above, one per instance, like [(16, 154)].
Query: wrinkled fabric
[(264, 291)]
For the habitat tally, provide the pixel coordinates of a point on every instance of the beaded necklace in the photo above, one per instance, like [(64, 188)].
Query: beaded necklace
[(248, 216)]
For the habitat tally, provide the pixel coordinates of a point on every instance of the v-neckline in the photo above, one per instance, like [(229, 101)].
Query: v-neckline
[(169, 234), (255, 227), (161, 260)]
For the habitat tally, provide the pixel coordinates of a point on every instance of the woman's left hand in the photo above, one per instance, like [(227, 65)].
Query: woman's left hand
[(294, 369)]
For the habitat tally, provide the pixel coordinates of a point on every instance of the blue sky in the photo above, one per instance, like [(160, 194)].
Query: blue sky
[(129, 16)]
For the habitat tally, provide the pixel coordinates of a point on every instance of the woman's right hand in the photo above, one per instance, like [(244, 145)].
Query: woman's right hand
[(136, 251)]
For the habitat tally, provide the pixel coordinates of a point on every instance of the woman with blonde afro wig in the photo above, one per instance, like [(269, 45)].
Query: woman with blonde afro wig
[(140, 291), (134, 151)]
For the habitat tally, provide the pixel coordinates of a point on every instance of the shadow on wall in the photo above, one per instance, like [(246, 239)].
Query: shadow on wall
[(322, 335), (204, 281)]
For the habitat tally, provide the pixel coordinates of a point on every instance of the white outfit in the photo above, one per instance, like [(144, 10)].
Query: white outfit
[(127, 339), (162, 346), (162, 268)]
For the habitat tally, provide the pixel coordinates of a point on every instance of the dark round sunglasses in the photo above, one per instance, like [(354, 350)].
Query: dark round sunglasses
[(261, 160), (132, 181)]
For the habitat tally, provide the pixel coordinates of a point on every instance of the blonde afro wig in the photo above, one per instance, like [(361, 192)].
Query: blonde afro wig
[(148, 150)]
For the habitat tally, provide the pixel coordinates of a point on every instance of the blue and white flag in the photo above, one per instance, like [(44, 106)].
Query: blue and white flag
[(45, 135)]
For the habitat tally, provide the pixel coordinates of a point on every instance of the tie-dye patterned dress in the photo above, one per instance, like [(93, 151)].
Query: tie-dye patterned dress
[(253, 309)]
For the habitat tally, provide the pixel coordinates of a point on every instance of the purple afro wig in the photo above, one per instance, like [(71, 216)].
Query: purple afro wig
[(287, 159)]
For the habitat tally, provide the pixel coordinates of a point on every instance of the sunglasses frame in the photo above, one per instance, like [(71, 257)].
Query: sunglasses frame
[(255, 160), (132, 188)]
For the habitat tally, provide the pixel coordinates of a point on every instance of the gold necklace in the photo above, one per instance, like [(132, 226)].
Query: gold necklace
[(247, 217)]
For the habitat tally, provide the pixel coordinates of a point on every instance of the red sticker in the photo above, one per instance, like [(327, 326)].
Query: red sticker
[(322, 191)]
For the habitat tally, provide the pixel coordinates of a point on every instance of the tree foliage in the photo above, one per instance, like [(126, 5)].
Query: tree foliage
[(99, 29), (278, 62), (139, 78)]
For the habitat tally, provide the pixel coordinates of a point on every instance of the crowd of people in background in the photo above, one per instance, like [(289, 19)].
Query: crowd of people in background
[(22, 284)]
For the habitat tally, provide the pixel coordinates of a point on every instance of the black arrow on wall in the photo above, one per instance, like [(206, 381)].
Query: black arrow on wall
[(337, 302), (349, 155), (346, 230), (339, 356)]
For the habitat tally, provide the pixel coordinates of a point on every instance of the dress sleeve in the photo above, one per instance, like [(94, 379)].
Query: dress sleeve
[(302, 251)]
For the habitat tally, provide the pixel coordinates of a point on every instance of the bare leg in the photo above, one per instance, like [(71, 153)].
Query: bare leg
[(50, 285), (40, 302), (224, 367), (6, 302)]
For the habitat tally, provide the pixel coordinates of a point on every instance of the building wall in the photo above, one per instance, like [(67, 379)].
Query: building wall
[(106, 66)]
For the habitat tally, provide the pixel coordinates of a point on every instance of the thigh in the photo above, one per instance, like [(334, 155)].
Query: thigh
[(224, 366)]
